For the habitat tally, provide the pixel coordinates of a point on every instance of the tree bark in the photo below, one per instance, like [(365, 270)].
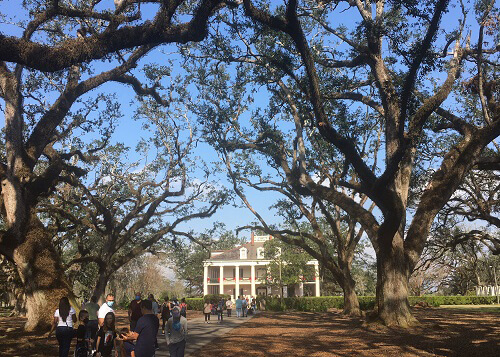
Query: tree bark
[(42, 274), (393, 286), (351, 302), (102, 282)]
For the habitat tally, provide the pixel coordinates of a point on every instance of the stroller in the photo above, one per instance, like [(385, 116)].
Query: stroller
[(83, 349), (83, 345)]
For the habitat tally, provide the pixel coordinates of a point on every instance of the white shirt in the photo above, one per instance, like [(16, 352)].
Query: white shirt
[(103, 310), (69, 318)]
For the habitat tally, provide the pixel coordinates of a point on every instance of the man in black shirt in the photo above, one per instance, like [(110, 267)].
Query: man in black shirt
[(145, 331)]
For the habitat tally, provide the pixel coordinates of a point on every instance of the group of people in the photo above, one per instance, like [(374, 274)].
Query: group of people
[(243, 306), (97, 336)]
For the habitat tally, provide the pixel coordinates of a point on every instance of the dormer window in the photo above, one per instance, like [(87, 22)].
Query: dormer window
[(260, 253), (243, 253)]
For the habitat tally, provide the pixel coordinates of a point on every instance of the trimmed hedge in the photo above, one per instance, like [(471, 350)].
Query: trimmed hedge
[(197, 303), (452, 300), (322, 303)]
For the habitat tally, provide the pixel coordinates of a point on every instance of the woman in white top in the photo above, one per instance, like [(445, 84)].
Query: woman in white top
[(64, 318)]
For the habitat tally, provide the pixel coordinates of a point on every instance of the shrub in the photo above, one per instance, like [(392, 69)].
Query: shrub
[(195, 303), (322, 303), (452, 300), (215, 297)]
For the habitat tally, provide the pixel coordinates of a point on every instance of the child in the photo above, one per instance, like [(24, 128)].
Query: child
[(106, 337), (127, 348), (82, 338)]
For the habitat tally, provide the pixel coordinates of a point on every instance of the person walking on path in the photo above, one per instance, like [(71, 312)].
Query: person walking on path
[(244, 307), (134, 310), (183, 306), (106, 337), (64, 318), (165, 313), (207, 309), (156, 307), (105, 308), (229, 307), (220, 310), (239, 305), (253, 304), (145, 331), (92, 308), (176, 333)]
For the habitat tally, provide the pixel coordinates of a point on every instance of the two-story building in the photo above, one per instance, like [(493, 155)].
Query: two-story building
[(243, 271)]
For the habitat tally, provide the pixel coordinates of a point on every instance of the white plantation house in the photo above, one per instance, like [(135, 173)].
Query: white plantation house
[(243, 271)]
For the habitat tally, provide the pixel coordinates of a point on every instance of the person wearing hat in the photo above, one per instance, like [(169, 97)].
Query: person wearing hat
[(176, 333)]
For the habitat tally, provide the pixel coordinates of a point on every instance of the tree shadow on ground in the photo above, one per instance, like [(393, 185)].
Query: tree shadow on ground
[(440, 332)]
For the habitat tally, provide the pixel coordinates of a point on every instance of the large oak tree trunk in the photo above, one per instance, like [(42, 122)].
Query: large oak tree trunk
[(42, 274), (100, 287), (351, 302), (392, 286)]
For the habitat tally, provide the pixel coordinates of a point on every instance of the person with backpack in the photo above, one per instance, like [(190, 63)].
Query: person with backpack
[(176, 333), (183, 307), (64, 318), (220, 310), (165, 313)]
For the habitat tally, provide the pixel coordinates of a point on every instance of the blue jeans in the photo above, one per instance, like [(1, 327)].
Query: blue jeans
[(177, 349), (64, 336)]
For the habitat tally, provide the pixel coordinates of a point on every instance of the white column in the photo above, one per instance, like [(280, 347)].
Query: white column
[(221, 280), (301, 289), (252, 280), (316, 268), (205, 280), (237, 280)]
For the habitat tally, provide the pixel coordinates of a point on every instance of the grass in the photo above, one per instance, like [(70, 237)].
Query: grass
[(479, 308)]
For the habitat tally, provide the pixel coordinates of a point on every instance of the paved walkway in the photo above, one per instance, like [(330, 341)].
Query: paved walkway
[(200, 333)]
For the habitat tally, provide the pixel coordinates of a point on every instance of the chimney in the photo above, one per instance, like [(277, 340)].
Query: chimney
[(251, 238)]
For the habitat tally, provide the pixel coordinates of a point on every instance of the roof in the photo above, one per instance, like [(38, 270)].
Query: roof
[(234, 254)]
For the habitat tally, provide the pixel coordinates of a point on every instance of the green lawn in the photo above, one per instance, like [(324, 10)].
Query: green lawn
[(480, 308)]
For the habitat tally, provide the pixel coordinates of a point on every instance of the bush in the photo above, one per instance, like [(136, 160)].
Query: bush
[(195, 303), (215, 297), (432, 300), (124, 303), (322, 303)]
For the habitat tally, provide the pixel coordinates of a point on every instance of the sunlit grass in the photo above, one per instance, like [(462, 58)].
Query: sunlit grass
[(480, 308)]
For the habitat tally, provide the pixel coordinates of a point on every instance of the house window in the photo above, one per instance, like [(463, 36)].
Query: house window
[(243, 253), (214, 273), (260, 253)]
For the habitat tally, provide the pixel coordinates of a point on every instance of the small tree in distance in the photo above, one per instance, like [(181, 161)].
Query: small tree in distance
[(287, 266)]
